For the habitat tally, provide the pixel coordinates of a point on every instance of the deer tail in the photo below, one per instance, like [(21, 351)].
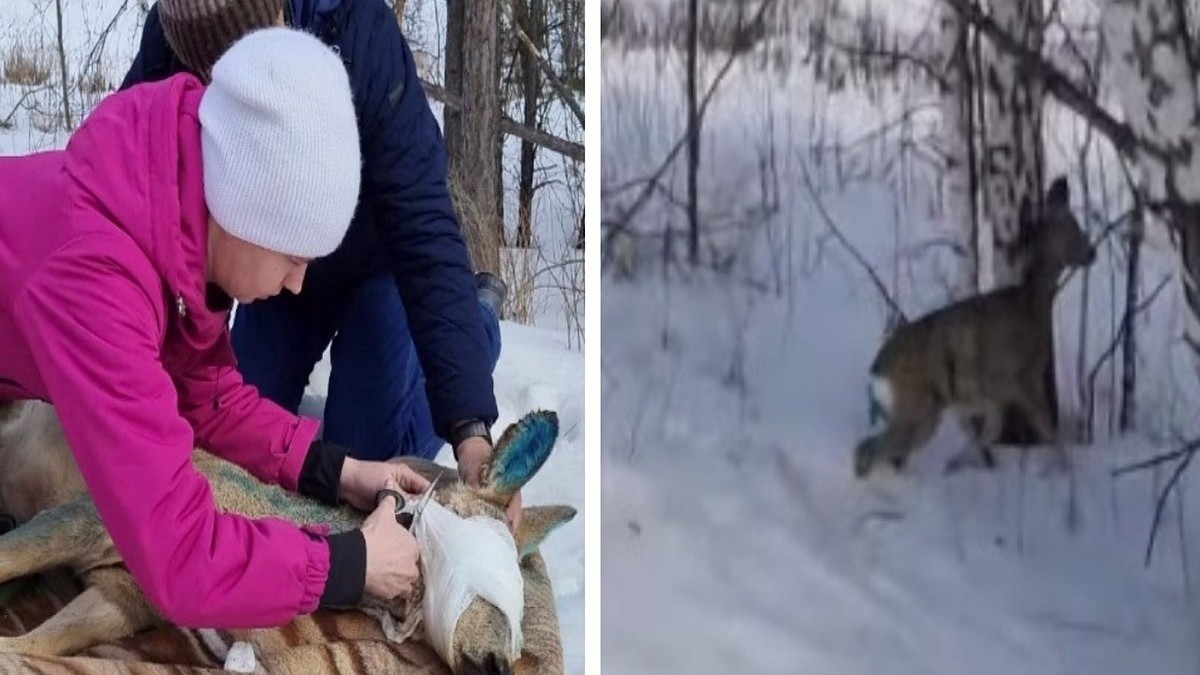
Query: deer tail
[(879, 400)]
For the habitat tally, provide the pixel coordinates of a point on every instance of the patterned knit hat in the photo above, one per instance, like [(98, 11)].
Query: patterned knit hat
[(199, 31)]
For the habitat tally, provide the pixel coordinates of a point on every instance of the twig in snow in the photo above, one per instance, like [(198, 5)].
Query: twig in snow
[(1155, 461), (1187, 452), (833, 227)]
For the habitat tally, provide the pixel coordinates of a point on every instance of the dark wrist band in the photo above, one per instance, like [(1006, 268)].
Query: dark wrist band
[(469, 429)]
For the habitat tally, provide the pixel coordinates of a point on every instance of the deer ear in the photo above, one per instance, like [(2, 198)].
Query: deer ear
[(1058, 194), (520, 452), (536, 523)]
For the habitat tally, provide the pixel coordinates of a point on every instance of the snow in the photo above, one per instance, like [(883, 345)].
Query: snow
[(734, 543), (734, 535)]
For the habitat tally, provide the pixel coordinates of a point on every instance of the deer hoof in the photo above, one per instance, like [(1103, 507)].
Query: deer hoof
[(963, 460), (989, 458), (1057, 465)]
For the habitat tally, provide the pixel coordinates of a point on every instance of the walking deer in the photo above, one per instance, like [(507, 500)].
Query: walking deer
[(59, 528), (978, 355)]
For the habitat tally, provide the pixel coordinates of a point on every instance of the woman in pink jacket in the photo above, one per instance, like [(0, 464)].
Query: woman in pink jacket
[(119, 260)]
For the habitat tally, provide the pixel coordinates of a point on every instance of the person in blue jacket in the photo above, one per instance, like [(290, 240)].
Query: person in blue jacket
[(414, 333)]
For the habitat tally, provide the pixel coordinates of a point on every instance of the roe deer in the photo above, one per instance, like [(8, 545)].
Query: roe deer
[(978, 355), (60, 528)]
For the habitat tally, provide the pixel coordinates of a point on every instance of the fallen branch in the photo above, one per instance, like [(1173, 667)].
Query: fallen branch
[(1189, 451), (7, 122), (1150, 463)]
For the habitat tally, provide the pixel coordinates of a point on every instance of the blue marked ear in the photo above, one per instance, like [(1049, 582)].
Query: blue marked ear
[(521, 451)]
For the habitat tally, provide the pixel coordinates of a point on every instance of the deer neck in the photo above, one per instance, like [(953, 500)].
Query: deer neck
[(1041, 286)]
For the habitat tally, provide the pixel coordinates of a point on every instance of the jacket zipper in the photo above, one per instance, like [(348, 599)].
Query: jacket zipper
[(181, 309)]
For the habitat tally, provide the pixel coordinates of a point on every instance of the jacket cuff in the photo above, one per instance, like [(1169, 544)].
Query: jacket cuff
[(297, 453), (322, 472), (347, 569), (317, 571)]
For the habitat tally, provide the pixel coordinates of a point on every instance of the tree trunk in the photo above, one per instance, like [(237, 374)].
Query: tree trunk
[(1150, 55), (501, 105), (572, 30), (958, 204), (1011, 170), (1129, 346), (472, 132), (62, 62), (529, 16), (452, 116), (1012, 165), (693, 167)]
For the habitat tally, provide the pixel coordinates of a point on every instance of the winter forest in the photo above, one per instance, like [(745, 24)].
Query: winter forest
[(787, 185)]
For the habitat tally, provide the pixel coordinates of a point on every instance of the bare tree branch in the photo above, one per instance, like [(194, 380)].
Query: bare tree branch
[(555, 83), (1058, 84), (1188, 452), (837, 232), (568, 149), (7, 122), (652, 181), (1126, 321), (892, 56)]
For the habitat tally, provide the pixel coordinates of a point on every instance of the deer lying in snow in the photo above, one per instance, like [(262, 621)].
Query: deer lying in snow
[(978, 355), (41, 488)]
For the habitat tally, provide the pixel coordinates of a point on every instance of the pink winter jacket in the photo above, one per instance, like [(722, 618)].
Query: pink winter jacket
[(103, 251)]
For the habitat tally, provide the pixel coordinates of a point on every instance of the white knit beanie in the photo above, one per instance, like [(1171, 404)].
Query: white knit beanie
[(280, 143)]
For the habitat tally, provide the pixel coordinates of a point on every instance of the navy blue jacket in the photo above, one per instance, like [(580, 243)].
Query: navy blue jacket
[(405, 221)]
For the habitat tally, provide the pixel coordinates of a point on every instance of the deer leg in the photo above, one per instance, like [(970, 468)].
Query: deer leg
[(53, 538), (983, 423), (899, 440), (1036, 409), (882, 446), (110, 608)]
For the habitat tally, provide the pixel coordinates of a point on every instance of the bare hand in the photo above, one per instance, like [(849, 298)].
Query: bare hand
[(361, 480), (474, 455), (392, 552)]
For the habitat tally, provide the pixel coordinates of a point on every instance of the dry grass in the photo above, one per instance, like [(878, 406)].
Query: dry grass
[(27, 67), (95, 84), (483, 243), (518, 268)]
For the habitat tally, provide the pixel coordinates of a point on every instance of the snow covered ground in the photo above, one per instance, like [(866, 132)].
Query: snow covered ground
[(734, 536), (541, 366)]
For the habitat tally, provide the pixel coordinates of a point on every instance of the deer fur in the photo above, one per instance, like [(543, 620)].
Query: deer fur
[(978, 355), (40, 486)]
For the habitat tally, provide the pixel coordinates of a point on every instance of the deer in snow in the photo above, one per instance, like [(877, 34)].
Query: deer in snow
[(978, 355)]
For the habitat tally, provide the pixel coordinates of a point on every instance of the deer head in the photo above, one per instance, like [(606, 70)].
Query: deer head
[(1055, 239), (482, 636)]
